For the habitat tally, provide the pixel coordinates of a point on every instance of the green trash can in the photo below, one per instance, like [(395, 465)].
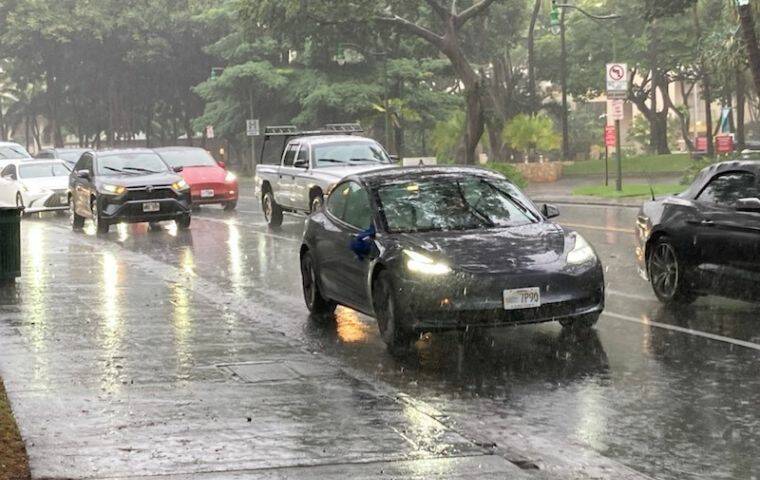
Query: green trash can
[(10, 244)]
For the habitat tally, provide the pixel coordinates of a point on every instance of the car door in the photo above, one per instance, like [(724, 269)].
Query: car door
[(344, 273), (82, 188), (286, 177), (729, 239), (302, 182), (8, 177)]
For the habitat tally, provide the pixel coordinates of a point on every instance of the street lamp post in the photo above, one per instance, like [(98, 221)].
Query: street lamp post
[(557, 17)]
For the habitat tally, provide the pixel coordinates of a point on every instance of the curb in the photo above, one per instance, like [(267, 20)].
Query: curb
[(591, 203)]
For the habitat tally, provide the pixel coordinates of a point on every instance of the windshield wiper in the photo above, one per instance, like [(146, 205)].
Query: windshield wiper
[(330, 160), (514, 200), (365, 160), (138, 169), (114, 170), (480, 215)]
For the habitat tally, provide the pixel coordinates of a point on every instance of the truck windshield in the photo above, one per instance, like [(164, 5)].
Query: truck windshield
[(349, 153), (444, 204)]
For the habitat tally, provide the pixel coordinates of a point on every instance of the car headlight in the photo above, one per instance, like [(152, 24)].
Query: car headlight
[(180, 186), (231, 177), (581, 252), (419, 263), (23, 188), (113, 189)]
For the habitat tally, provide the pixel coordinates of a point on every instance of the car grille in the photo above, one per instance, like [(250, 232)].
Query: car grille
[(54, 200), (158, 192)]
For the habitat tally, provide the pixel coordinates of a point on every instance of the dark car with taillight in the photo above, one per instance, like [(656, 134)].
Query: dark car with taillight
[(446, 248), (706, 240), (210, 181), (130, 186)]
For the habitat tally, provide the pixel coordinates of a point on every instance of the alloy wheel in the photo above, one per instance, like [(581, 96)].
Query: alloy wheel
[(309, 279), (268, 207), (663, 270)]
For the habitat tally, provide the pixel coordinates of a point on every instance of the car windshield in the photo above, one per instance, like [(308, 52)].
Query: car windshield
[(188, 158), (130, 163), (443, 204), (43, 170), (70, 156), (12, 152), (349, 153)]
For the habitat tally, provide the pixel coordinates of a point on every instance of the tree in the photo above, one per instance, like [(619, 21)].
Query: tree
[(530, 134)]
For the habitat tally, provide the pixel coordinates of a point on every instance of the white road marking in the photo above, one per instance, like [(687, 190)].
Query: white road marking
[(618, 293), (630, 231), (689, 331)]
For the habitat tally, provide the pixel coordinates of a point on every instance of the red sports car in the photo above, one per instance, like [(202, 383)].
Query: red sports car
[(210, 182)]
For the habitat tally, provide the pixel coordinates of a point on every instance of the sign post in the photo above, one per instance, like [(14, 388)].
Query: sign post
[(617, 92), (253, 129)]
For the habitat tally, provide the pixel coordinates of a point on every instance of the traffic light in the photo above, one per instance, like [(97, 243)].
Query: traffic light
[(555, 20)]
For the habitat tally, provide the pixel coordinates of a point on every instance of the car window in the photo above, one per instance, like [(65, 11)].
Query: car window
[(13, 152), (349, 153), (188, 158), (727, 188), (84, 163), (336, 204), (43, 170), (9, 170), (303, 154), (130, 163), (46, 154), (358, 211), (290, 155)]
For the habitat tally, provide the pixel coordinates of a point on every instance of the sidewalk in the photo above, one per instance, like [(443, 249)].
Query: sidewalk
[(120, 366)]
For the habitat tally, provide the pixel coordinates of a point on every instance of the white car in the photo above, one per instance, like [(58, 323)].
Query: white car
[(35, 185), (11, 152)]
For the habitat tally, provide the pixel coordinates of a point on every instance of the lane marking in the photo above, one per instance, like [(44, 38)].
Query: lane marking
[(618, 293), (629, 231), (689, 331)]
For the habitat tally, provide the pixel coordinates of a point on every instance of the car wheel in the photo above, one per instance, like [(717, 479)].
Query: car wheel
[(101, 225), (77, 222), (316, 202), (154, 226), (230, 206), (389, 316), (667, 274), (582, 323), (315, 301), (183, 222), (272, 211)]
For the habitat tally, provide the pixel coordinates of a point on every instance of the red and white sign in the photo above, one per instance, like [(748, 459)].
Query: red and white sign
[(701, 144), (724, 144), (617, 110), (610, 136)]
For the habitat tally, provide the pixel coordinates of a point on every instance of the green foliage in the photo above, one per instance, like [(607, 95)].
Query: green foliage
[(639, 132), (695, 167), (526, 133), (447, 137)]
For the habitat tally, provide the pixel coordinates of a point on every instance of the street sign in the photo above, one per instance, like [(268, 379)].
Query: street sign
[(724, 144), (252, 128), (701, 144), (617, 110), (609, 136), (210, 131), (617, 80)]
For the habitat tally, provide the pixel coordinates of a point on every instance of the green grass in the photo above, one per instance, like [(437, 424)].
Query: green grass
[(14, 464), (632, 190), (677, 162)]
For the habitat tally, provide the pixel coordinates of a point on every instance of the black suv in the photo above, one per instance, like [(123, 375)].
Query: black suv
[(129, 186)]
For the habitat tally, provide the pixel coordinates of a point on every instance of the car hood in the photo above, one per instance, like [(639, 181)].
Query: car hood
[(46, 183), (496, 250), (344, 171), (204, 174), (164, 178)]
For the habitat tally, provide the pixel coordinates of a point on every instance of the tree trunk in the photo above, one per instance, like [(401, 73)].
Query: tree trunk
[(708, 114), (3, 135), (475, 123), (741, 101), (532, 59), (563, 74), (54, 102), (750, 41)]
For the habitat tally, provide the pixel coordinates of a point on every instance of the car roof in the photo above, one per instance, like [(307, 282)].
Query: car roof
[(401, 174), (117, 151), (709, 172), (322, 139), (178, 147)]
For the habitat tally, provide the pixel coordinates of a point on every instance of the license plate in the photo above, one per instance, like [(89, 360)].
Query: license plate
[(151, 207), (522, 298), (63, 199), (207, 194)]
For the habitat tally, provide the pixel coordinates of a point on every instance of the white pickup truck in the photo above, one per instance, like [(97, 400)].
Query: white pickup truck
[(312, 163)]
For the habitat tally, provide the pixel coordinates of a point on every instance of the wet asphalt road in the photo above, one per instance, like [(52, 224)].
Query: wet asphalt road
[(672, 394)]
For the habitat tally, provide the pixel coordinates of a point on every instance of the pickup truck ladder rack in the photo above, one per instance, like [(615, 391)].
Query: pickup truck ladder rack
[(287, 132)]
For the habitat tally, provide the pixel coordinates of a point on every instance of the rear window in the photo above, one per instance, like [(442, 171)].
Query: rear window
[(188, 158), (13, 152)]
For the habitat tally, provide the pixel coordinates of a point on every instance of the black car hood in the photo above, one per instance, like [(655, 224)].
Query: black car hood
[(493, 250), (164, 178)]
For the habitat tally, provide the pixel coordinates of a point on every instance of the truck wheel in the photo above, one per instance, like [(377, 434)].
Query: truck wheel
[(316, 202), (272, 211)]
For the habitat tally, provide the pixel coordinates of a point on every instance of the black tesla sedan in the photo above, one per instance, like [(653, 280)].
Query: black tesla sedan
[(705, 240), (130, 186), (446, 248)]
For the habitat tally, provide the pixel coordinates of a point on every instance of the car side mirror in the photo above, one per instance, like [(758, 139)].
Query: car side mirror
[(11, 177), (361, 244), (83, 174), (223, 165), (748, 205), (301, 163), (550, 211), (178, 169), (395, 158)]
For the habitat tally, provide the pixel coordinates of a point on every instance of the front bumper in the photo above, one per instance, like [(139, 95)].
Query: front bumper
[(461, 301), (223, 193), (45, 201), (129, 207)]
